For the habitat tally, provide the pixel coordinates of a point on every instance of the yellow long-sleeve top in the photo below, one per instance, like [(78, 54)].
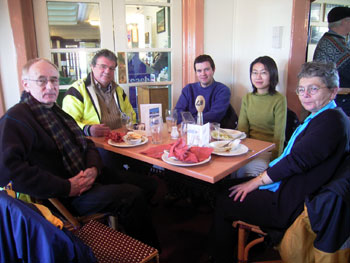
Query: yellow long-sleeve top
[(263, 117)]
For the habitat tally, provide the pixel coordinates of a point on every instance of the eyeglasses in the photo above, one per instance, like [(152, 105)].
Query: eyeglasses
[(43, 81), (263, 73), (312, 90), (104, 67)]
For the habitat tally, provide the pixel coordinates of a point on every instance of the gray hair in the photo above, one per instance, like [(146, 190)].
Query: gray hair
[(326, 71), (335, 24), (30, 63)]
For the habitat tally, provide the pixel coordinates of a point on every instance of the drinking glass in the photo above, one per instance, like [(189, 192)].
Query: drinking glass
[(126, 121), (187, 118), (170, 118), (156, 129)]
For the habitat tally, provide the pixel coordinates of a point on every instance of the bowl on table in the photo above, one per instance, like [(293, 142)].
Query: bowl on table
[(225, 146), (132, 138)]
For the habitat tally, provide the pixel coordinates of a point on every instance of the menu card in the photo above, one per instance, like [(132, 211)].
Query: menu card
[(198, 135), (147, 112)]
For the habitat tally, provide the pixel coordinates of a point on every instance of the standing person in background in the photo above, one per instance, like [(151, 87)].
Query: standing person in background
[(97, 104), (217, 95), (263, 113), (335, 47)]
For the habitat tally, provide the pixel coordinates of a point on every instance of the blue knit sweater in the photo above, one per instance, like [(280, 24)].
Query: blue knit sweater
[(217, 99), (332, 47)]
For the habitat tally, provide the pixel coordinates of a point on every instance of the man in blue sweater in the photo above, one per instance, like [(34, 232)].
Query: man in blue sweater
[(216, 95)]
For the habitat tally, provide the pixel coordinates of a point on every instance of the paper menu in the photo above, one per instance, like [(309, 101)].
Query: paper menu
[(147, 111), (198, 135)]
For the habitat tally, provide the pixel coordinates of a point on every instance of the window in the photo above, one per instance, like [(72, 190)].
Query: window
[(69, 32), (140, 32)]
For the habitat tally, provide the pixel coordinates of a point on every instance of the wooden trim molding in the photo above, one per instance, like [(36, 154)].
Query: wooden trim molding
[(23, 28), (300, 25), (193, 37)]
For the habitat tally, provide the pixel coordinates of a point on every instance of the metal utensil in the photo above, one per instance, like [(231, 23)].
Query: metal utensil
[(228, 143)]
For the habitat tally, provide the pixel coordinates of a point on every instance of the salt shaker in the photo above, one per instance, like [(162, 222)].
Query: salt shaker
[(174, 133)]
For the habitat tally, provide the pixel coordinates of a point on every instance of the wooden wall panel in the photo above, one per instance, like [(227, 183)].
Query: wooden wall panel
[(22, 23), (300, 24), (193, 37)]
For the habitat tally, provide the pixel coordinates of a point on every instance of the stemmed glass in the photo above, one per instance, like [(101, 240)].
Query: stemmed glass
[(126, 121), (170, 118)]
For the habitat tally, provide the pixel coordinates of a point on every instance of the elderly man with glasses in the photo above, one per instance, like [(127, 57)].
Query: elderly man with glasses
[(45, 154)]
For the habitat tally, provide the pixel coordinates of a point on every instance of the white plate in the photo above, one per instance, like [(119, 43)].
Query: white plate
[(241, 149), (173, 161), (228, 134), (144, 140)]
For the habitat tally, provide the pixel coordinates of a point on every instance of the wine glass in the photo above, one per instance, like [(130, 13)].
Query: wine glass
[(126, 121)]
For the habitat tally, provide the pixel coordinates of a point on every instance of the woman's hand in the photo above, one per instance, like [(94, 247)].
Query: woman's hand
[(240, 191)]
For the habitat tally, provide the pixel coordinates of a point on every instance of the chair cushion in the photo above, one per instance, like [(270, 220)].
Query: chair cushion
[(110, 245)]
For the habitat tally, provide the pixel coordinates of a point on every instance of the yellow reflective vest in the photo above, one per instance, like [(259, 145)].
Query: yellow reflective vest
[(80, 101)]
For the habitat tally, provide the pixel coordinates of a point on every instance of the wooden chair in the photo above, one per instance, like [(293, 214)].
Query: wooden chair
[(243, 246), (108, 244), (74, 223), (299, 243)]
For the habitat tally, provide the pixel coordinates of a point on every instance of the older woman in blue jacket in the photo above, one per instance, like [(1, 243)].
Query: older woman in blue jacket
[(275, 198)]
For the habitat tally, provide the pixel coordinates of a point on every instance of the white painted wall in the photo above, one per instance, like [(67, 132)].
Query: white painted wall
[(8, 58), (238, 31)]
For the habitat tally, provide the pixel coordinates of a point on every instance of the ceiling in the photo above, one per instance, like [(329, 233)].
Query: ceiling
[(68, 13)]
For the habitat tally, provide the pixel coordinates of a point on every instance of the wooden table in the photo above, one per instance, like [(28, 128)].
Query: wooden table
[(213, 171)]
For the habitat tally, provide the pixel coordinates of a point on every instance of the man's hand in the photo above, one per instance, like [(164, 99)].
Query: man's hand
[(91, 173), (99, 130), (240, 191), (82, 181)]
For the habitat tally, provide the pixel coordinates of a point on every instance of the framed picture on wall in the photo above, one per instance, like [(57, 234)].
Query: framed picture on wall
[(161, 21)]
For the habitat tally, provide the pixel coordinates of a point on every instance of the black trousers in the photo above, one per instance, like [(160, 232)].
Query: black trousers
[(121, 169), (258, 208)]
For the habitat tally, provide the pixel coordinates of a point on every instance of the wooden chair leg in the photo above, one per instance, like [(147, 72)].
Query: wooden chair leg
[(250, 245), (243, 247)]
